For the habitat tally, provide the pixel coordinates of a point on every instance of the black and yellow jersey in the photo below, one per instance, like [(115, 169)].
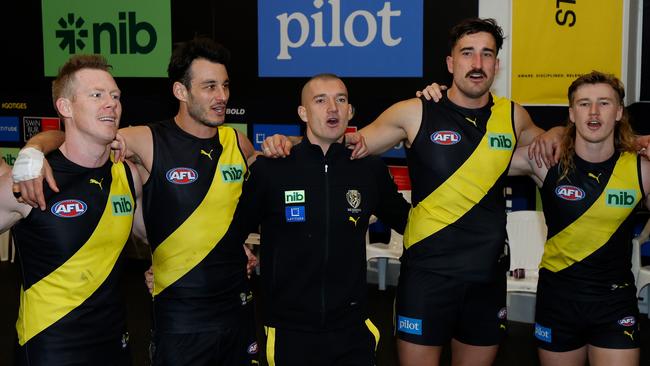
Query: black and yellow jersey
[(189, 200), (70, 261), (458, 162), (588, 214)]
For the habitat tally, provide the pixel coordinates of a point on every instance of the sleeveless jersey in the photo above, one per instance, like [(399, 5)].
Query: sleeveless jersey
[(457, 163), (588, 214), (189, 201), (70, 258)]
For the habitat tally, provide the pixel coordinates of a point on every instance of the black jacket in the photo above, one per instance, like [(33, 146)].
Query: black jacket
[(314, 213)]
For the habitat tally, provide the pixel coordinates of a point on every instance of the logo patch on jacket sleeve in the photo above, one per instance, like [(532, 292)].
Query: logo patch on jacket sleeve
[(295, 213)]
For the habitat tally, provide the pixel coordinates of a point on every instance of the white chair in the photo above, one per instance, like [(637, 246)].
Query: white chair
[(526, 235), (641, 273), (384, 252)]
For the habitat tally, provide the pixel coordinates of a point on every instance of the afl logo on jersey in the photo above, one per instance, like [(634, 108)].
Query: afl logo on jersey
[(570, 193), (182, 175), (445, 137), (69, 208)]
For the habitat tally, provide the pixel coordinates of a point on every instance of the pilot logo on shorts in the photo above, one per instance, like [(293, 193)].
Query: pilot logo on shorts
[(543, 334), (570, 193), (409, 325), (503, 313), (181, 175), (445, 137), (69, 208)]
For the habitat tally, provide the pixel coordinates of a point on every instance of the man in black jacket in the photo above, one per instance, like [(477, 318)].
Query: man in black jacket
[(314, 208)]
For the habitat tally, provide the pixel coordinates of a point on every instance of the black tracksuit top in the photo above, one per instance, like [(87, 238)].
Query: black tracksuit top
[(314, 210)]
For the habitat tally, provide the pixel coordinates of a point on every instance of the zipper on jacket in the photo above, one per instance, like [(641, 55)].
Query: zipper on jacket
[(327, 244)]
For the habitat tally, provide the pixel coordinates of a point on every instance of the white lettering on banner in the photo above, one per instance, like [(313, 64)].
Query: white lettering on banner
[(286, 19)]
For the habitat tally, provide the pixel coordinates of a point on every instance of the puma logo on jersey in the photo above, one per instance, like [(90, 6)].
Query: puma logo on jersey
[(350, 218), (629, 334), (472, 121), (208, 154), (596, 177), (98, 182)]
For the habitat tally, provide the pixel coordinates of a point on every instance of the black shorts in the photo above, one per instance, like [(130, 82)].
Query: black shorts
[(431, 309), (38, 351), (233, 345), (564, 325), (352, 346)]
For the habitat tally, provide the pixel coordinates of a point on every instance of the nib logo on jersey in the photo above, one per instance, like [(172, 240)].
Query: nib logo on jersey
[(69, 208), (345, 37), (621, 198), (135, 36), (232, 173)]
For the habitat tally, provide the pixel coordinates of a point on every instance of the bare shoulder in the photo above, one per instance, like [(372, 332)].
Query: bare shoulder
[(137, 134)]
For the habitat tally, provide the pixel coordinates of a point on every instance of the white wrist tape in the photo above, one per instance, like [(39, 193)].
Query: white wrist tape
[(28, 164)]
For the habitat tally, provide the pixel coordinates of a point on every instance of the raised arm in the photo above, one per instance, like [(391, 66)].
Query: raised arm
[(138, 220), (31, 167), (399, 122), (543, 146), (522, 164), (247, 148)]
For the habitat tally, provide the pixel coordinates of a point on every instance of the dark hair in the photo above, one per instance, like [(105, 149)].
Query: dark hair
[(62, 85), (186, 52), (623, 133), (476, 25)]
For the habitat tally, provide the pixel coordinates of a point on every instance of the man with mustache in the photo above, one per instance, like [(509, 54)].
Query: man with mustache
[(452, 284)]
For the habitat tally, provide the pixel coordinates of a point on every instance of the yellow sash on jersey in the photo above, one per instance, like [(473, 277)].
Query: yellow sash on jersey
[(470, 183), (63, 290), (596, 225), (183, 249)]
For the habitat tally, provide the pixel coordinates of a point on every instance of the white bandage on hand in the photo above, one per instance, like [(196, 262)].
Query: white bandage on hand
[(28, 164)]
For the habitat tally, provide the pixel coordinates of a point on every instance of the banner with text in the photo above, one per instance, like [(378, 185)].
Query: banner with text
[(554, 42), (349, 38), (135, 36)]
